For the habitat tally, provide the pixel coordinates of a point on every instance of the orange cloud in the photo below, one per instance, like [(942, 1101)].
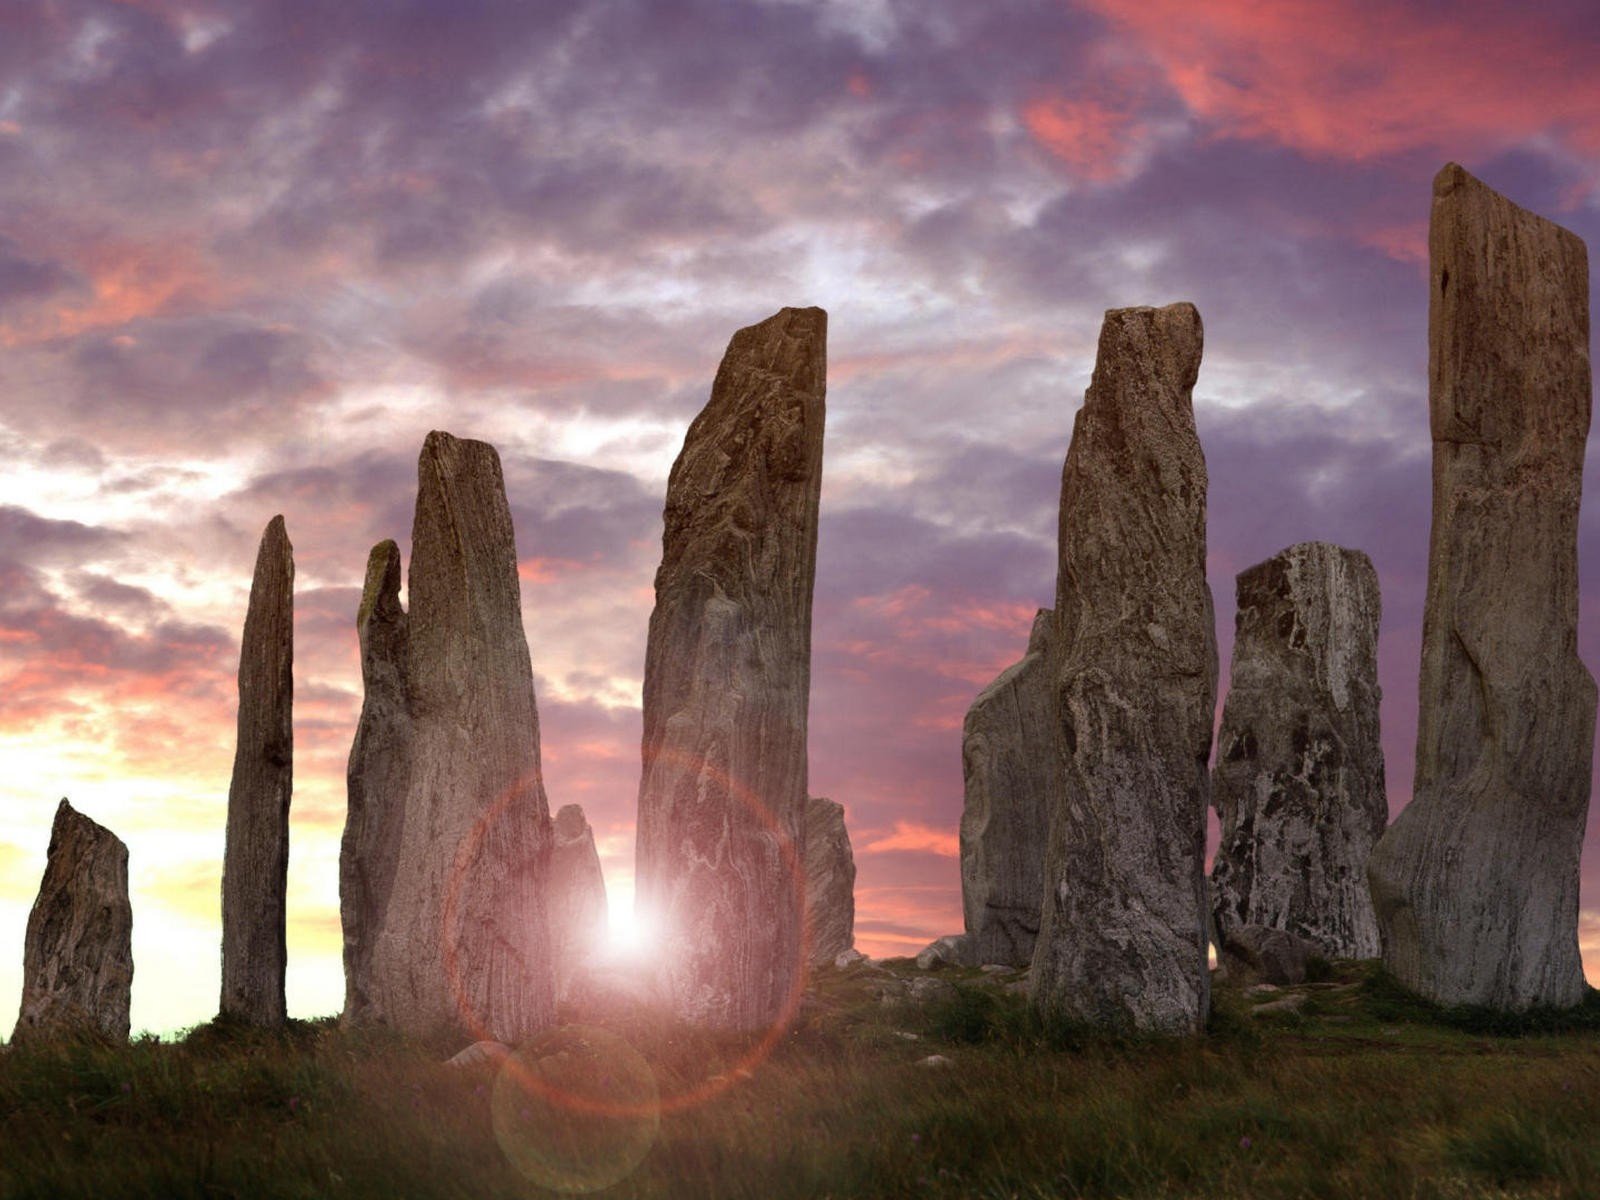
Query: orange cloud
[(917, 838), (1353, 81), (1089, 137)]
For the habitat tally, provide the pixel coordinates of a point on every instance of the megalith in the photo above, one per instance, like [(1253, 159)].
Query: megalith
[(727, 682), (376, 775), (1298, 784), (1476, 882), (830, 881), (1122, 935), (1011, 765), (461, 945), (576, 895), (255, 863), (77, 956)]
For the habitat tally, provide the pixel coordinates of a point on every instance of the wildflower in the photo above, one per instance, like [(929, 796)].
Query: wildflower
[(1244, 1142), (294, 1103)]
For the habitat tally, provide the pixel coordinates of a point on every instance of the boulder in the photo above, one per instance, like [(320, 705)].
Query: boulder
[(77, 953), (1011, 765), (1476, 883), (462, 945), (1122, 936), (376, 776), (830, 881), (480, 1054), (952, 950), (577, 895), (727, 682), (1257, 954), (1298, 784), (255, 861)]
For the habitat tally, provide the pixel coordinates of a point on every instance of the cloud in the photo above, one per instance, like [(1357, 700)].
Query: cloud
[(914, 837)]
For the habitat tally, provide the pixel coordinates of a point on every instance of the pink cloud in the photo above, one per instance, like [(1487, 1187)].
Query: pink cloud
[(916, 837)]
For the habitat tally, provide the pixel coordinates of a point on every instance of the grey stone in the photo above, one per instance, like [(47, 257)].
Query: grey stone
[(1298, 784), (77, 956), (485, 1053), (929, 989), (936, 1062), (1287, 1007), (1257, 954), (728, 678), (577, 895), (830, 881), (1011, 764), (952, 950), (1476, 882), (1122, 938), (376, 776), (462, 945), (850, 958), (255, 862)]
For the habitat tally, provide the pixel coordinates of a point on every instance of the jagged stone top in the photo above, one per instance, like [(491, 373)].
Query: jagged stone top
[(571, 825)]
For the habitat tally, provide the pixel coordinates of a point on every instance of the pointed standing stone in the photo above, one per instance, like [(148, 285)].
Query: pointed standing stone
[(830, 881), (77, 958), (577, 895), (462, 945), (1476, 882), (255, 864), (1011, 763), (1298, 784), (376, 777), (728, 679), (1122, 938)]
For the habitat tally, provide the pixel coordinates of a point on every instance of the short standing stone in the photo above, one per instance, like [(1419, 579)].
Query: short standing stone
[(255, 864), (375, 778), (727, 682), (1476, 882), (77, 958), (1011, 763), (462, 945), (577, 895), (830, 881), (1122, 939), (1298, 784)]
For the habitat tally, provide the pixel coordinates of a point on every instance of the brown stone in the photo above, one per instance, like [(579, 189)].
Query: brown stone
[(830, 881), (577, 896)]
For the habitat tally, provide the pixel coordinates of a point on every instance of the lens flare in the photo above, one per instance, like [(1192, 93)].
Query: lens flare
[(576, 1109)]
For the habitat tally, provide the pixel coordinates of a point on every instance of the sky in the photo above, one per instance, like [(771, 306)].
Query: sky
[(252, 251)]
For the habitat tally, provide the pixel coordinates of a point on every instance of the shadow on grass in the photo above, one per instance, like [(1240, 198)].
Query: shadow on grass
[(1386, 999)]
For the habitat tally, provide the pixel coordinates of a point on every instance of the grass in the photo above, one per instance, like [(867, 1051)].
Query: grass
[(1364, 1092)]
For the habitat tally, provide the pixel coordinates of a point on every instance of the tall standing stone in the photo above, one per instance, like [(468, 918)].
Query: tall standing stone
[(728, 679), (255, 864), (376, 776), (1122, 936), (77, 956), (462, 944), (1298, 784), (1476, 882), (577, 895), (830, 881), (1011, 763)]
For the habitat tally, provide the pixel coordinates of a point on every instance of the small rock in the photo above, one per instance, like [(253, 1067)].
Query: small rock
[(904, 1036), (1258, 954), (996, 969), (850, 958), (479, 1053), (1260, 989), (1278, 1008), (954, 949), (928, 991), (935, 1061)]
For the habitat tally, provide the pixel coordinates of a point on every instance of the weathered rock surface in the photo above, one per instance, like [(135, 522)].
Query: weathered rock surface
[(1122, 937), (1011, 763), (1476, 882), (77, 957), (379, 766), (830, 881), (1257, 954), (462, 944), (479, 1054), (952, 950), (728, 678), (576, 896), (255, 864), (1299, 784)]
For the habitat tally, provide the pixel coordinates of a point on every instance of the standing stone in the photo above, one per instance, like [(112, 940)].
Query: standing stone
[(1122, 937), (830, 881), (728, 679), (462, 945), (1476, 882), (577, 896), (1011, 763), (77, 956), (255, 862), (1298, 784), (376, 777)]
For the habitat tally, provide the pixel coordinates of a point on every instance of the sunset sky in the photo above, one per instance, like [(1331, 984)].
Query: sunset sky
[(252, 252)]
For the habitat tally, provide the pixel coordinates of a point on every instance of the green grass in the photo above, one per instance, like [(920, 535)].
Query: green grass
[(1365, 1092)]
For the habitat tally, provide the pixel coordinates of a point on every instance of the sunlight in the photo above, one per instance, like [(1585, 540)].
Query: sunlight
[(632, 934)]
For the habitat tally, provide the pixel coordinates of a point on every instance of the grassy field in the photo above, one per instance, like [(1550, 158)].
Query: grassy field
[(1360, 1093)]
